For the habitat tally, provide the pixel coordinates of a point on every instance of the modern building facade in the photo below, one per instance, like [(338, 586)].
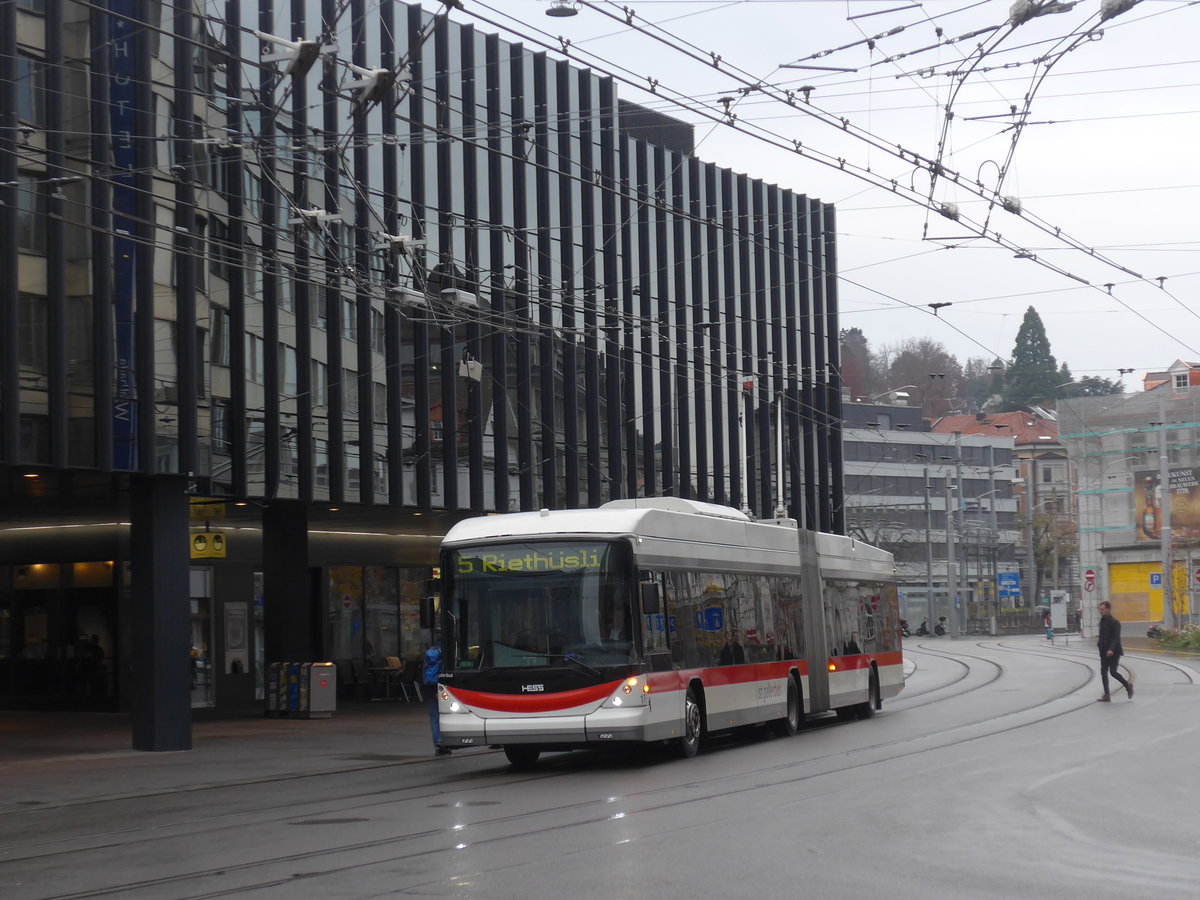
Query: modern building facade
[(321, 278)]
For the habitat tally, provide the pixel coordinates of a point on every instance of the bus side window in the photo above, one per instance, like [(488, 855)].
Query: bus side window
[(651, 598), (684, 596), (654, 619)]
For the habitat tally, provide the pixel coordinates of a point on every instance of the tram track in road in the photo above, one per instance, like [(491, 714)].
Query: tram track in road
[(510, 834), (964, 673), (1191, 676), (399, 847), (284, 807)]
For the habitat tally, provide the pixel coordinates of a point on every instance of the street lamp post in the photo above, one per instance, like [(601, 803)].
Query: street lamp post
[(895, 390)]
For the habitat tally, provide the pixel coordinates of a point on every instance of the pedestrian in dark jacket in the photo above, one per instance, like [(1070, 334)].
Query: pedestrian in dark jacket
[(430, 673), (1109, 643)]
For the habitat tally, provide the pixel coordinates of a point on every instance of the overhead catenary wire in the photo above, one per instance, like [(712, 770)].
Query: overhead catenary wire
[(717, 62), (848, 167)]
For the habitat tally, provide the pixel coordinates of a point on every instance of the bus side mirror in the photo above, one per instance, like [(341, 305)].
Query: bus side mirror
[(427, 615), (650, 598)]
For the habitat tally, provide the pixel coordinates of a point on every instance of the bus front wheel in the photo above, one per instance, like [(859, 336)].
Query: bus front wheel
[(522, 756), (693, 726)]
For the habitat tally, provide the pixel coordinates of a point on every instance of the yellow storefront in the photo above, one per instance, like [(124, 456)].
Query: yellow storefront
[(1135, 589)]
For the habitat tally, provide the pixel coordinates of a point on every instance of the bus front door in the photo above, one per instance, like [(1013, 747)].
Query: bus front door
[(656, 648)]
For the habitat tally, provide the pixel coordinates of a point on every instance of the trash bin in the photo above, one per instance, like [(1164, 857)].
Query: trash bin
[(322, 690)]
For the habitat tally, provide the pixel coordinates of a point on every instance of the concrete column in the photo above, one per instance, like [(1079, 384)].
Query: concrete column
[(291, 615), (161, 695)]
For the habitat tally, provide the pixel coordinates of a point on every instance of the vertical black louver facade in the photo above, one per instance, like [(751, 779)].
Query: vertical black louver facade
[(409, 264)]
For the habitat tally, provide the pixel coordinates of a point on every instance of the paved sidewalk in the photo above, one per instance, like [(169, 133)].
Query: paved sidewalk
[(72, 757)]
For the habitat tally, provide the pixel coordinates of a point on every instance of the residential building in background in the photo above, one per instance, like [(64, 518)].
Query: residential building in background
[(901, 480), (1045, 511), (1138, 469)]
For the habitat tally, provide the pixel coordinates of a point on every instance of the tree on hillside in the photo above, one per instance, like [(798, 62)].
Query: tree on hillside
[(856, 363), (934, 373), (1033, 377), (982, 383)]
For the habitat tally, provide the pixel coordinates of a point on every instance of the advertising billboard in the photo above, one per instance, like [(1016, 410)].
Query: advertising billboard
[(1184, 496)]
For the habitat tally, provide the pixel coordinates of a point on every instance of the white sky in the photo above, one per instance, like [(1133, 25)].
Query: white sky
[(1117, 171)]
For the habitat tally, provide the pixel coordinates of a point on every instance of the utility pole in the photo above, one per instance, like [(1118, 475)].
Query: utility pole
[(951, 563), (959, 610), (743, 413), (780, 510), (929, 604), (1030, 509), (993, 536), (1164, 505)]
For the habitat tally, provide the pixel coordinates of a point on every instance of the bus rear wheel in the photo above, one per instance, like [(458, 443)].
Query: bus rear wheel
[(867, 710), (790, 723), (522, 756), (693, 726)]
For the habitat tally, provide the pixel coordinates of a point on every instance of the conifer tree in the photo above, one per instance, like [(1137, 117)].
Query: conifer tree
[(1033, 377)]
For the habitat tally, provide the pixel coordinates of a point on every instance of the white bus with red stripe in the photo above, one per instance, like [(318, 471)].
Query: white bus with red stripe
[(656, 619)]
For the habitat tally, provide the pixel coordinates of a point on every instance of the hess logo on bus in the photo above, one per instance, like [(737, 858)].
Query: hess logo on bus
[(532, 688)]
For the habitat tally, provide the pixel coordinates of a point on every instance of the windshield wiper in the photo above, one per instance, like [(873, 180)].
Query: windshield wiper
[(575, 661)]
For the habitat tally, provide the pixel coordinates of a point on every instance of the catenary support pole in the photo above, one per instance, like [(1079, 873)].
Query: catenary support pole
[(1164, 506), (951, 562)]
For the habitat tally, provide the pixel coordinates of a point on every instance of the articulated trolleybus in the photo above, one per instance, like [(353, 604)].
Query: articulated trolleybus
[(653, 620)]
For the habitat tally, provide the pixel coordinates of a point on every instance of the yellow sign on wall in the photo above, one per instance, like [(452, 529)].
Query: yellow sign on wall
[(208, 545), (1133, 598), (201, 509)]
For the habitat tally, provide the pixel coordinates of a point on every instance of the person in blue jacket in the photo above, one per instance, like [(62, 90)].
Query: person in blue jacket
[(430, 672)]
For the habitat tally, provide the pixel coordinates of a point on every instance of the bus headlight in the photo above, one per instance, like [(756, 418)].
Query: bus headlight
[(631, 692), (454, 706)]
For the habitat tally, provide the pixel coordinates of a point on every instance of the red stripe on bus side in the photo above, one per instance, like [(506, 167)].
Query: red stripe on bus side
[(863, 660), (723, 675), (535, 703)]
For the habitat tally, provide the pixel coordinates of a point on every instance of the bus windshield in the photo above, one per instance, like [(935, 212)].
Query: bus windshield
[(539, 603)]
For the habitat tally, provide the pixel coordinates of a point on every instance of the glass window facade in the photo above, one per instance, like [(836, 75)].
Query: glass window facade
[(528, 301)]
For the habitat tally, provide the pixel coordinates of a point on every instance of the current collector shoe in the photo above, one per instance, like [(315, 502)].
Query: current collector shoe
[(1104, 699)]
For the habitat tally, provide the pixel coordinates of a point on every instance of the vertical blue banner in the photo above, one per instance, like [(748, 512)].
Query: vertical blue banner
[(122, 119)]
